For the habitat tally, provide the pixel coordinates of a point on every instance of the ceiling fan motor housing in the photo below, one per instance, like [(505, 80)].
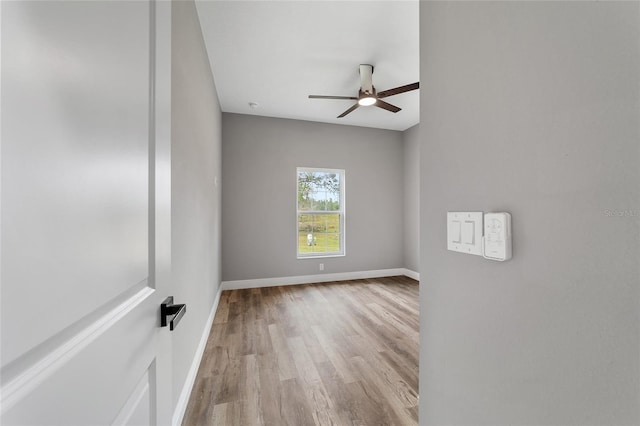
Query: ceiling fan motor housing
[(366, 79)]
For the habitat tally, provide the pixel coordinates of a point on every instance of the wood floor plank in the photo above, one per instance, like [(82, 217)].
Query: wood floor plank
[(214, 360), (389, 318), (375, 383), (200, 406), (270, 401), (321, 404), (227, 388), (344, 405), (339, 363), (222, 313), (392, 379), (219, 416), (253, 391), (397, 303), (263, 343), (315, 348), (232, 414), (338, 353), (409, 373), (374, 408), (294, 407), (286, 367)]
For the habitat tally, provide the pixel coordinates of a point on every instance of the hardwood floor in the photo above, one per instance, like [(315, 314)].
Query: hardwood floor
[(318, 354)]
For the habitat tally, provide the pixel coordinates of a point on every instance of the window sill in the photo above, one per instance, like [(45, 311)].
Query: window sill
[(320, 256)]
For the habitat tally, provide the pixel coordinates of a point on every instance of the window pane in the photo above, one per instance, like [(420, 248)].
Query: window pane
[(305, 188), (333, 201), (332, 224), (319, 191), (305, 223), (303, 204), (319, 233), (333, 242), (303, 247), (321, 243), (320, 200)]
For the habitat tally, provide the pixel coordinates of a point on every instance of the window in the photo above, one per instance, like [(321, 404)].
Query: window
[(320, 212)]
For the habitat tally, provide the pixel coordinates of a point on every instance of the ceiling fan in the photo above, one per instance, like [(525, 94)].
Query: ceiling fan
[(367, 94)]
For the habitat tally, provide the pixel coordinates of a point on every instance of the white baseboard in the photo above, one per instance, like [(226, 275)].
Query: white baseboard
[(181, 406), (412, 274), (320, 278)]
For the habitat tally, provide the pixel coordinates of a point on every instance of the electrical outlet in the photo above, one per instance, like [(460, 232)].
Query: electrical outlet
[(322, 266)]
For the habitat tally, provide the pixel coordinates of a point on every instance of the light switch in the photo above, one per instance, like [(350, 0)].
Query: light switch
[(456, 231), (468, 231), (464, 232)]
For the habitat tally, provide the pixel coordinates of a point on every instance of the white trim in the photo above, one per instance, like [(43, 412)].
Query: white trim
[(412, 274), (319, 255), (321, 278), (139, 392), (35, 375), (181, 406)]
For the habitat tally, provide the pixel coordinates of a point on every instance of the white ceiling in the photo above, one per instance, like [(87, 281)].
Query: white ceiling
[(276, 53)]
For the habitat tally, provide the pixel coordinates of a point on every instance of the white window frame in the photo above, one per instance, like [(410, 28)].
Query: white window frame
[(341, 213)]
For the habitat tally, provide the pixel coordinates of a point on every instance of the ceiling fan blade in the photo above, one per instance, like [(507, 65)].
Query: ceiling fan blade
[(353, 98), (353, 108), (398, 90), (387, 106)]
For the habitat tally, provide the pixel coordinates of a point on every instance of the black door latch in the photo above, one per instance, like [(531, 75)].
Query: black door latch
[(170, 313)]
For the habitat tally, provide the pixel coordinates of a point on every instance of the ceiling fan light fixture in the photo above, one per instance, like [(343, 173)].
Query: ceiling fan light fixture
[(367, 101)]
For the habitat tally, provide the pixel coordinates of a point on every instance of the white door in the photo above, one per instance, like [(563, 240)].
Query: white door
[(85, 225)]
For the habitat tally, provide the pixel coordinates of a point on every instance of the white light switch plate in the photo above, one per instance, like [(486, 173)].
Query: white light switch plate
[(464, 232)]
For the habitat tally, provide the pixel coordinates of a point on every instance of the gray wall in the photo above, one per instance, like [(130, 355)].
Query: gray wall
[(531, 108), (411, 146), (196, 145), (260, 156)]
